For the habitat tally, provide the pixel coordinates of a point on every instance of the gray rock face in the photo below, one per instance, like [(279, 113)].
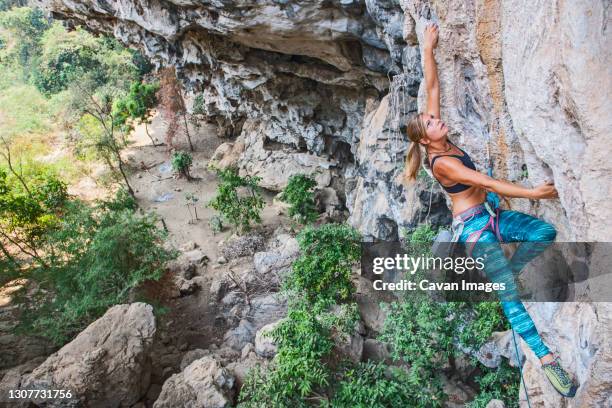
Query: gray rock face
[(580, 334), (203, 383), (277, 261), (264, 344), (379, 203), (106, 365)]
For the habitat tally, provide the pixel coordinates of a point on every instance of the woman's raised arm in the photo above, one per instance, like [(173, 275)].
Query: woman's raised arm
[(431, 71)]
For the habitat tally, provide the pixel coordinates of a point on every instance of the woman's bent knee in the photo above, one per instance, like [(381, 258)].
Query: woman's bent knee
[(544, 232), (548, 233)]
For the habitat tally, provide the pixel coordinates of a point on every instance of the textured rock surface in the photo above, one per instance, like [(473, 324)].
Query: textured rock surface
[(277, 260), (106, 365), (203, 383), (580, 333), (378, 202), (264, 344)]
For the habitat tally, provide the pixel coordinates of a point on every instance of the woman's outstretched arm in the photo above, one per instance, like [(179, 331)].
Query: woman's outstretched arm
[(432, 85), (457, 172)]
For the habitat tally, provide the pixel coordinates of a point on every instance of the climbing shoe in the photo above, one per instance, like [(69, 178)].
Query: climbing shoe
[(559, 378)]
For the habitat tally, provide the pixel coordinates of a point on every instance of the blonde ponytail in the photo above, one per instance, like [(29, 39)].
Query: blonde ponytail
[(413, 162), (416, 131)]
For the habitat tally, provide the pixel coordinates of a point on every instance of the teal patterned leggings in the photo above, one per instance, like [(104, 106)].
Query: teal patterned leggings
[(535, 236)]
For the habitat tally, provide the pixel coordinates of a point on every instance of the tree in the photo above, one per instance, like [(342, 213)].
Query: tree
[(28, 209), (97, 256), (181, 163), (172, 105), (136, 105), (26, 26), (69, 56), (97, 126), (238, 199)]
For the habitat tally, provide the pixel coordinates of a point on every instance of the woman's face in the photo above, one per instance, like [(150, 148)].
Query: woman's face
[(436, 129)]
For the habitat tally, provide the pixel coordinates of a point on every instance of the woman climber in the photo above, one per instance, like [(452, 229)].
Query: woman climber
[(475, 221)]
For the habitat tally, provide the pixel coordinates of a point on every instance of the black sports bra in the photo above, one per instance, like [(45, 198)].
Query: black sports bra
[(467, 162)]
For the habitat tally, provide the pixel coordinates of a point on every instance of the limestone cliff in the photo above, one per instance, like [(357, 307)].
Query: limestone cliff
[(325, 86)]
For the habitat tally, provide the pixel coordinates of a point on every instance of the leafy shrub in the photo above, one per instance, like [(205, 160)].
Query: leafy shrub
[(300, 196), (303, 341), (300, 373), (373, 385), (480, 320), (198, 105), (426, 333), (29, 209), (216, 224), (420, 335), (500, 383), (181, 163), (96, 256), (123, 200), (323, 271), (239, 208)]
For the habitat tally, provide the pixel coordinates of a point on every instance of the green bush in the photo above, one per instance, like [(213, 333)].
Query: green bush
[(96, 256), (501, 383), (298, 370), (300, 196), (29, 209), (300, 373), (323, 271), (374, 385), (320, 277), (239, 208), (181, 163)]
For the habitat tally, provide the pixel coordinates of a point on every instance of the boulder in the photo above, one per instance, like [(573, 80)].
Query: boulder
[(203, 383), (240, 369), (278, 260), (376, 350), (264, 344), (495, 403), (106, 365), (238, 337), (191, 356), (12, 378)]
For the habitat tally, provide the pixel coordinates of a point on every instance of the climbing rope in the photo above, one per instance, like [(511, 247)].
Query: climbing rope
[(519, 362), (398, 88)]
